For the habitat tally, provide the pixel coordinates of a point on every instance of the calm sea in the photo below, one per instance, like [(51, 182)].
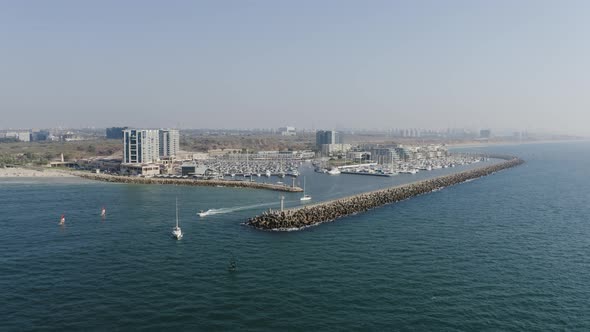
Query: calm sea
[(505, 252)]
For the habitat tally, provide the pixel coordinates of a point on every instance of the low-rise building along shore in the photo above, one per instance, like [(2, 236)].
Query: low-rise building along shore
[(300, 218)]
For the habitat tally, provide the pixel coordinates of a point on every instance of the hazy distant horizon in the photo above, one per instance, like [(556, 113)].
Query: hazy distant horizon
[(307, 64), (475, 131)]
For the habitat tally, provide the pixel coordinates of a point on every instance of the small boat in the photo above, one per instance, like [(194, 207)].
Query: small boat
[(334, 171), (267, 174), (62, 220), (204, 213), (305, 197), (103, 212), (176, 231)]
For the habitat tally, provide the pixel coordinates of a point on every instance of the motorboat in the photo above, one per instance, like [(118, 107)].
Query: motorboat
[(204, 213)]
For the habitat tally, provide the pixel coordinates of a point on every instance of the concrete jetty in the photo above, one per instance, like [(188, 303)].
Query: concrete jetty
[(300, 218), (186, 182)]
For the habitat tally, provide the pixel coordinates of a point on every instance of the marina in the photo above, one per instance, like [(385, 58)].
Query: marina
[(303, 217)]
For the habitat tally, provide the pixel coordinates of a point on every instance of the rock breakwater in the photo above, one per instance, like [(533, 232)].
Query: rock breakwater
[(299, 218), (185, 182)]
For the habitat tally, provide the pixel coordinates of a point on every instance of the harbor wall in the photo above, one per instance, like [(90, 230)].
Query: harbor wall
[(185, 182), (302, 217)]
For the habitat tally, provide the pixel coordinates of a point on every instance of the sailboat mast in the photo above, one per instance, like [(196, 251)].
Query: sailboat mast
[(176, 211), (303, 185)]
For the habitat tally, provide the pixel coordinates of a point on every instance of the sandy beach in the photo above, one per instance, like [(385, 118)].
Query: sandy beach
[(25, 172)]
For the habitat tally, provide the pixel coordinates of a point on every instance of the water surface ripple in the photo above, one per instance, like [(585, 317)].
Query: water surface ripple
[(504, 252)]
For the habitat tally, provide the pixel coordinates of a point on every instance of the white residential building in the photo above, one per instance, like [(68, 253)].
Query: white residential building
[(23, 136), (141, 146), (169, 142)]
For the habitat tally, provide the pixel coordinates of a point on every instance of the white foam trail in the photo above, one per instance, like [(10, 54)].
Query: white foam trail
[(238, 208)]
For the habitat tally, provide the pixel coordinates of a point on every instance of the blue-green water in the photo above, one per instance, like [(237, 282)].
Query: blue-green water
[(504, 252)]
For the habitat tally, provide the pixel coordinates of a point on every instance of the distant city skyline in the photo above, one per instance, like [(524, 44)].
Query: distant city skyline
[(307, 64)]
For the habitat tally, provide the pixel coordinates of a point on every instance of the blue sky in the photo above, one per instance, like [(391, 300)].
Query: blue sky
[(313, 64)]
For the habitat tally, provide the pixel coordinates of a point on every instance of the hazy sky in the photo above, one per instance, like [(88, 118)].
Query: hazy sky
[(314, 64)]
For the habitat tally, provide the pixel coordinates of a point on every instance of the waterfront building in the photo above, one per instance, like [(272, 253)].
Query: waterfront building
[(383, 156), (194, 170), (323, 137), (141, 146), (329, 149), (140, 169), (403, 153), (169, 142), (358, 156), (283, 155)]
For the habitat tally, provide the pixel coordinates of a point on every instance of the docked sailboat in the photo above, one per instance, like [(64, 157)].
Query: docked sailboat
[(176, 231), (305, 197)]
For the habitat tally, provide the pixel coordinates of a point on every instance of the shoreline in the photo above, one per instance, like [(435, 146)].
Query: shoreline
[(300, 218), (22, 172), (494, 144), (185, 182)]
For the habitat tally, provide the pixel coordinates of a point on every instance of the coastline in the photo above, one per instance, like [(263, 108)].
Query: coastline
[(185, 182), (508, 143), (21, 172)]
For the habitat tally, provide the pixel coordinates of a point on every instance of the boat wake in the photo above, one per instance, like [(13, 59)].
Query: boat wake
[(211, 212)]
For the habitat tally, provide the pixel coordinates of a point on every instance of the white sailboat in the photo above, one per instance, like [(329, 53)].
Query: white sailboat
[(305, 197), (62, 220), (103, 212), (176, 231)]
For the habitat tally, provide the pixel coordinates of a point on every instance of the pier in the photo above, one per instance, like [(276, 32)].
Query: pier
[(186, 182), (302, 217)]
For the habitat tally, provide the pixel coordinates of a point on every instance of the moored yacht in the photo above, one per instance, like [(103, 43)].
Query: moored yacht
[(334, 171)]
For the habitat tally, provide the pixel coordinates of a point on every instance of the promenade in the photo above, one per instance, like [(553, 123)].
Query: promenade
[(185, 182)]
